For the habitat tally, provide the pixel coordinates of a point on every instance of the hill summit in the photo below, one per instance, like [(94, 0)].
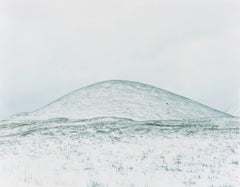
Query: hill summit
[(124, 99)]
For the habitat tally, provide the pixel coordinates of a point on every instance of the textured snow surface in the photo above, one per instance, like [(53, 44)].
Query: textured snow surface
[(120, 133), (122, 99), (119, 152)]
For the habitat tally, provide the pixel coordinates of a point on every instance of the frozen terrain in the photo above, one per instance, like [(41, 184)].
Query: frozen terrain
[(120, 133), (120, 152), (123, 99)]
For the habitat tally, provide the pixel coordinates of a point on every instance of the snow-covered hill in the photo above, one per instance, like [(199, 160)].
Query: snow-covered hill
[(120, 133), (123, 99)]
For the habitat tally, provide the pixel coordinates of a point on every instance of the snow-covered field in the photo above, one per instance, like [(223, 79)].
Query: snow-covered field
[(120, 133), (120, 152)]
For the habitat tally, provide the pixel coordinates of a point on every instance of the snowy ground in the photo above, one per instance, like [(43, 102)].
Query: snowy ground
[(120, 152)]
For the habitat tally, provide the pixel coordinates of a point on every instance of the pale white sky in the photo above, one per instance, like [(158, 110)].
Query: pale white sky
[(51, 47)]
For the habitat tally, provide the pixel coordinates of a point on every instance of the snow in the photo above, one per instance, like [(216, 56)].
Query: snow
[(120, 133), (123, 99), (118, 152)]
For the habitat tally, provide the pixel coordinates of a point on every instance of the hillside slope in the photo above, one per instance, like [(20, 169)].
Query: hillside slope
[(124, 99)]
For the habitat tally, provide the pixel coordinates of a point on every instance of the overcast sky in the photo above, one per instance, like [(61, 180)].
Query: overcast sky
[(51, 47)]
